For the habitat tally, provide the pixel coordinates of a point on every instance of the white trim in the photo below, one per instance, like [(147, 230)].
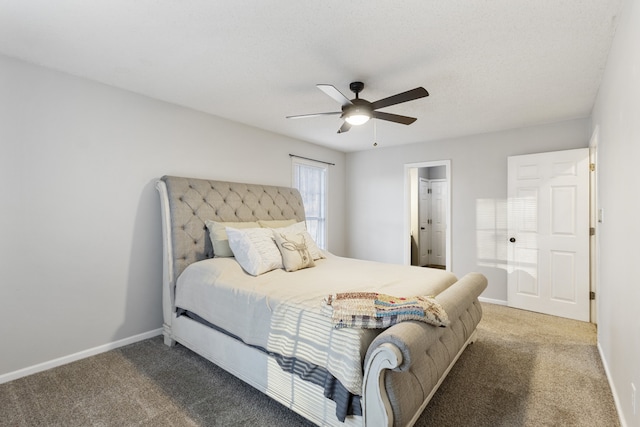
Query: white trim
[(407, 208), (4, 378), (616, 399), (492, 301), (594, 240)]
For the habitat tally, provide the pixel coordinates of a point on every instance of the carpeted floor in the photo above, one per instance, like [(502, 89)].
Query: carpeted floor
[(525, 369)]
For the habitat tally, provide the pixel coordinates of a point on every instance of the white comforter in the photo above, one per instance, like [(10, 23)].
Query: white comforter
[(282, 312)]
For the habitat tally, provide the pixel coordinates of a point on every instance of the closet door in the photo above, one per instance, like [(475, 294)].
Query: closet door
[(438, 222), (424, 212)]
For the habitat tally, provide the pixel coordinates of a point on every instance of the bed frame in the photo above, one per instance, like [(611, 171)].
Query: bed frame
[(403, 367)]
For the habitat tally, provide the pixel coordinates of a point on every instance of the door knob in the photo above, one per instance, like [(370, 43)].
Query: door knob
[(421, 228), (512, 240)]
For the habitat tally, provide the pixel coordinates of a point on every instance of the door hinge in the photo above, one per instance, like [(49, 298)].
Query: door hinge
[(592, 167), (592, 231), (592, 295)]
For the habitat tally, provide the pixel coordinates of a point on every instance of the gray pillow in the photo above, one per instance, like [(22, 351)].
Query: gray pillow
[(219, 238)]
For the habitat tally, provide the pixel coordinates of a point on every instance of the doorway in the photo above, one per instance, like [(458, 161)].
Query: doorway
[(428, 214)]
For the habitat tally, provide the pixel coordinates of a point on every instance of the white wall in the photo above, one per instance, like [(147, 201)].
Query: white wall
[(616, 115), (376, 208), (80, 246)]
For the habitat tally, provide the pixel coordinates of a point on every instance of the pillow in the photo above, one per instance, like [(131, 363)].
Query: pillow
[(218, 235), (294, 250), (254, 249), (301, 227), (276, 223)]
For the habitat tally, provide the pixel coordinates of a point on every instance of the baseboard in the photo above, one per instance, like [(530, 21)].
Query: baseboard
[(492, 301), (4, 378), (616, 399)]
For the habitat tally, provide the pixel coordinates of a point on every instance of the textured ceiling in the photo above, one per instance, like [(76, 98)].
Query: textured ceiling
[(487, 64)]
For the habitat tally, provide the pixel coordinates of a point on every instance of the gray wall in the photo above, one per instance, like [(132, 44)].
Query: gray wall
[(436, 172), (80, 251), (616, 116), (376, 208)]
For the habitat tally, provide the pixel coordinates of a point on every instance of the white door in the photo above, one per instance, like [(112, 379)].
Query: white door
[(423, 213), (438, 222), (548, 256)]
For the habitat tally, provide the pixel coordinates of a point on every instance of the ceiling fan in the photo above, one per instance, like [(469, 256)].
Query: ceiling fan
[(358, 111)]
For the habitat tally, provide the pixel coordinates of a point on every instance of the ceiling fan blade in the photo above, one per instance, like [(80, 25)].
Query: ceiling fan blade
[(405, 120), (304, 116), (335, 94), (344, 128), (409, 95)]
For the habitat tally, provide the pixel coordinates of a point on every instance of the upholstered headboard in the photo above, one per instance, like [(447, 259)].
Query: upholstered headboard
[(190, 202)]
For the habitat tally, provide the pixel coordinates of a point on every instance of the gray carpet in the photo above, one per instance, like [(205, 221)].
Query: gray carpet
[(525, 369)]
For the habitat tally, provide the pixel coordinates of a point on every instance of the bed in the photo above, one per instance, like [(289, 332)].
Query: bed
[(274, 329)]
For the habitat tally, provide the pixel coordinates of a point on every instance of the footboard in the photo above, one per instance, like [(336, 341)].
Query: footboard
[(406, 363)]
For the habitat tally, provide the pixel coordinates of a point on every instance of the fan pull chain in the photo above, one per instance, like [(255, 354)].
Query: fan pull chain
[(375, 134)]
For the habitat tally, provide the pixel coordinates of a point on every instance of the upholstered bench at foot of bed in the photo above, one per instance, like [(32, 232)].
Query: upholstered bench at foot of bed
[(413, 358)]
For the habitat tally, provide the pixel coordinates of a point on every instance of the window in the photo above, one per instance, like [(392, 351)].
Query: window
[(310, 178)]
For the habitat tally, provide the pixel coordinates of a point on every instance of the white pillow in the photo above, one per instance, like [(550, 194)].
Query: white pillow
[(218, 235), (301, 227), (254, 249), (294, 250)]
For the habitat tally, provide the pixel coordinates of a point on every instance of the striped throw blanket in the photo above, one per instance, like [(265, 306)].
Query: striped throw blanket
[(371, 310)]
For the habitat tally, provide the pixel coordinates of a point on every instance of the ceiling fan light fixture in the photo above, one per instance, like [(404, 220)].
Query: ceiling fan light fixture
[(357, 118), (357, 113)]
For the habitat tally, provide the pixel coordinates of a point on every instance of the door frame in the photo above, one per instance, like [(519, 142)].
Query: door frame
[(595, 217), (407, 208)]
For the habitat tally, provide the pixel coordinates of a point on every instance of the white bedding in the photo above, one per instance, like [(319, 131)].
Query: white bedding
[(282, 312)]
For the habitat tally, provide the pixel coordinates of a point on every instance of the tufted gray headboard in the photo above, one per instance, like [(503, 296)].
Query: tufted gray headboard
[(189, 202)]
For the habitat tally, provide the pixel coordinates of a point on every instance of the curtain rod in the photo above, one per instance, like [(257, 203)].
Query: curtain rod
[(313, 160)]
